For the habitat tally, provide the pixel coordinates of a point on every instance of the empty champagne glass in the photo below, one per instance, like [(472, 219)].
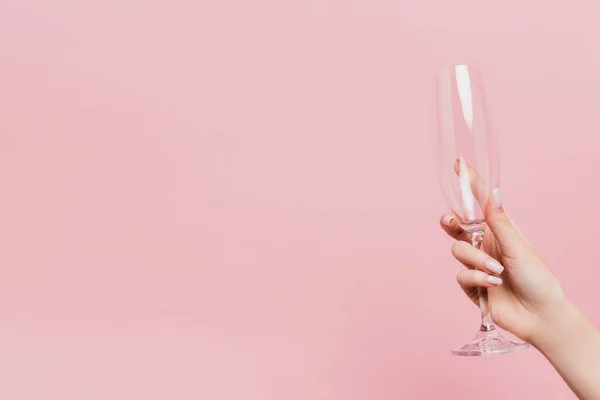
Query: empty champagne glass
[(468, 169)]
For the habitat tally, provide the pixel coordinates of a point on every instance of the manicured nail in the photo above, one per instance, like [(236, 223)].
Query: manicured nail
[(494, 280), (447, 219), (494, 266), (497, 198)]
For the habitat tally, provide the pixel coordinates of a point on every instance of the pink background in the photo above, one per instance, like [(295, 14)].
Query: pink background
[(235, 199)]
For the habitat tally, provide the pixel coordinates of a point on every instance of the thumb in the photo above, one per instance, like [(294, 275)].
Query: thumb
[(508, 236)]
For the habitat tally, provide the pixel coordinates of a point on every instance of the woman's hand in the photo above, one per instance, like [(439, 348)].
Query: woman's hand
[(524, 296)]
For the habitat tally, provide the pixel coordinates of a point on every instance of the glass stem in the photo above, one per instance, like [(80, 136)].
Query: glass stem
[(486, 319)]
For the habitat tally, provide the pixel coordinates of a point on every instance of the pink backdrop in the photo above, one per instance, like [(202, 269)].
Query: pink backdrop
[(235, 199)]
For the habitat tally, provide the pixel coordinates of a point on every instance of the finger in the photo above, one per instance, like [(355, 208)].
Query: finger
[(508, 236), (519, 231), (450, 225), (476, 259), (472, 278), (481, 193)]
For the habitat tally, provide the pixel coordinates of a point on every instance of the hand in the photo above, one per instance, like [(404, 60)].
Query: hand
[(524, 296)]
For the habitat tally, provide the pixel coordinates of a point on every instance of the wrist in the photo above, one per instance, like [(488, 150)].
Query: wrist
[(563, 322)]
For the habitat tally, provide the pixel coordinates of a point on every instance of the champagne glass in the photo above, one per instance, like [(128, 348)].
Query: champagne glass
[(468, 169)]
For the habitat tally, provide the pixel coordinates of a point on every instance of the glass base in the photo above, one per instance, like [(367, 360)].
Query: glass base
[(488, 343)]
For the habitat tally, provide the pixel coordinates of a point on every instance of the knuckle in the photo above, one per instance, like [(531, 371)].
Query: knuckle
[(505, 222), (502, 219), (458, 248), (480, 277)]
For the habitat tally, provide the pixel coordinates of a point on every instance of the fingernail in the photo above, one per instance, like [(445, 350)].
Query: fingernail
[(497, 198), (494, 266), (494, 280), (447, 219)]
